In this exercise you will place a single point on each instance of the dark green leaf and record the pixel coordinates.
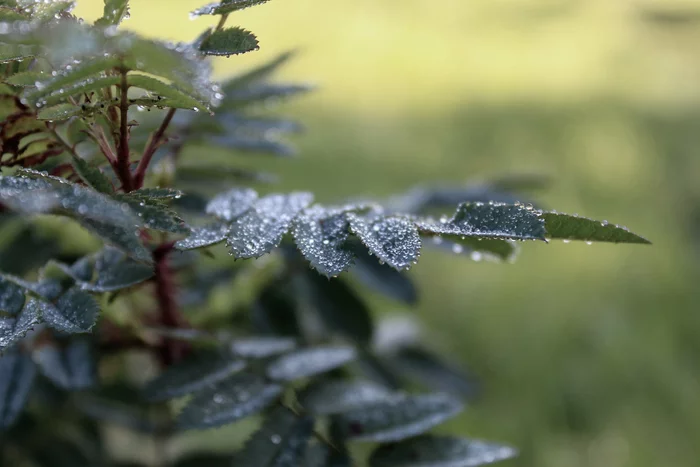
(492, 249)
(383, 278)
(126, 240)
(26, 78)
(75, 312)
(11, 297)
(262, 347)
(176, 97)
(69, 367)
(231, 41)
(435, 451)
(17, 372)
(109, 270)
(232, 204)
(202, 237)
(309, 362)
(280, 442)
(13, 328)
(274, 311)
(569, 227)
(399, 418)
(89, 85)
(339, 396)
(58, 112)
(261, 228)
(156, 216)
(226, 6)
(129, 415)
(92, 176)
(191, 375)
(227, 401)
(114, 12)
(155, 195)
(394, 240)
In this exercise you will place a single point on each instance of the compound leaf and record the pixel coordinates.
(338, 396)
(17, 373)
(74, 312)
(309, 362)
(570, 227)
(231, 41)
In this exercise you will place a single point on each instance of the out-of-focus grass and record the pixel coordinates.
(589, 354)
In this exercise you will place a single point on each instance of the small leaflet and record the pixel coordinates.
(231, 204)
(309, 362)
(204, 236)
(17, 373)
(338, 396)
(394, 240)
(75, 312)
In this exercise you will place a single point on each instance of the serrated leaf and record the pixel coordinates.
(394, 240)
(338, 396)
(114, 12)
(205, 236)
(70, 367)
(126, 240)
(155, 194)
(383, 278)
(261, 228)
(321, 235)
(309, 362)
(89, 85)
(227, 401)
(156, 216)
(430, 371)
(108, 270)
(226, 6)
(342, 310)
(231, 41)
(17, 372)
(25, 78)
(231, 204)
(14, 328)
(262, 346)
(439, 451)
(92, 176)
(74, 312)
(58, 112)
(570, 227)
(280, 442)
(399, 418)
(191, 375)
(177, 98)
(488, 220)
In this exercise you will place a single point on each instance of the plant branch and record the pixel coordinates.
(122, 165)
(154, 142)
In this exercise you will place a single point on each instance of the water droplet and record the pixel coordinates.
(276, 439)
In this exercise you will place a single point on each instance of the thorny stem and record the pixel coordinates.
(154, 143)
(122, 166)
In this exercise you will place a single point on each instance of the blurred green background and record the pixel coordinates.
(589, 355)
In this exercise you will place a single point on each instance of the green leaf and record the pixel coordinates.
(261, 228)
(231, 204)
(17, 373)
(155, 195)
(226, 6)
(383, 278)
(280, 442)
(399, 418)
(261, 346)
(477, 248)
(108, 270)
(430, 371)
(86, 86)
(26, 78)
(231, 41)
(569, 227)
(92, 176)
(191, 375)
(439, 451)
(254, 76)
(177, 98)
(309, 362)
(11, 297)
(16, 52)
(14, 328)
(75, 312)
(114, 12)
(394, 240)
(338, 396)
(201, 237)
(321, 235)
(126, 240)
(275, 310)
(227, 401)
(261, 94)
(342, 310)
(70, 367)
(156, 216)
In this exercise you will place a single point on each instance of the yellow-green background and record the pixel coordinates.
(589, 355)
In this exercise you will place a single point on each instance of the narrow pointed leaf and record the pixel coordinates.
(17, 372)
(262, 347)
(155, 194)
(261, 228)
(227, 401)
(58, 112)
(70, 367)
(438, 451)
(232, 204)
(321, 235)
(430, 371)
(263, 93)
(339, 396)
(226, 6)
(14, 328)
(92, 176)
(157, 216)
(26, 78)
(193, 374)
(383, 278)
(90, 85)
(394, 240)
(114, 12)
(280, 441)
(399, 418)
(254, 76)
(569, 227)
(231, 41)
(75, 312)
(201, 237)
(309, 362)
(177, 98)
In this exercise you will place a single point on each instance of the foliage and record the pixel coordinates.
(301, 350)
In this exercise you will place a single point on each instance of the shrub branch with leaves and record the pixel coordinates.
(299, 350)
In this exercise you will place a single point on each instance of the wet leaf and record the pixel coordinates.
(230, 205)
(227, 401)
(58, 112)
(70, 367)
(262, 346)
(114, 12)
(109, 270)
(231, 41)
(394, 240)
(14, 328)
(383, 278)
(92, 176)
(569, 227)
(261, 228)
(26, 78)
(226, 6)
(399, 418)
(177, 98)
(156, 216)
(90, 85)
(17, 373)
(338, 396)
(205, 236)
(439, 451)
(280, 442)
(126, 240)
(309, 362)
(74, 312)
(11, 297)
(191, 375)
